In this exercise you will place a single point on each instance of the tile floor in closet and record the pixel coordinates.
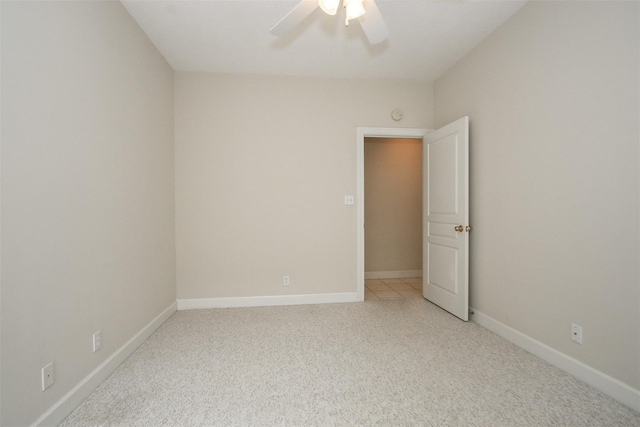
(383, 289)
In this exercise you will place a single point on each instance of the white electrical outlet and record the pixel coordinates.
(47, 376)
(97, 341)
(285, 280)
(576, 333)
(348, 200)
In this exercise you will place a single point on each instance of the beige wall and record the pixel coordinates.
(553, 100)
(87, 193)
(393, 204)
(263, 164)
(262, 168)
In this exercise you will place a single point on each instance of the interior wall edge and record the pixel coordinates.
(72, 399)
(266, 301)
(610, 386)
(403, 274)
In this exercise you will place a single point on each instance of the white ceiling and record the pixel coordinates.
(426, 37)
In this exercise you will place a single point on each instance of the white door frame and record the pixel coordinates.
(362, 133)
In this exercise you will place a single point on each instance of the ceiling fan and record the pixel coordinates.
(366, 11)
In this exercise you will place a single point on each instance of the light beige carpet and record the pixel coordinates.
(396, 363)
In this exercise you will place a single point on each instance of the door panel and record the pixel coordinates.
(442, 165)
(442, 274)
(446, 206)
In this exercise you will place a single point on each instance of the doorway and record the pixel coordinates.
(393, 218)
(445, 168)
(362, 133)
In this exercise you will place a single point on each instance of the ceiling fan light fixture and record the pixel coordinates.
(373, 25)
(330, 7)
(355, 9)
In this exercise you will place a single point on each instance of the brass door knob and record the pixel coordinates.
(468, 228)
(459, 228)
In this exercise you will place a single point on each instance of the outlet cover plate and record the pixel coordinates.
(97, 341)
(576, 333)
(47, 376)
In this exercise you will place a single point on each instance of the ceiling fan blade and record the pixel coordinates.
(372, 23)
(293, 18)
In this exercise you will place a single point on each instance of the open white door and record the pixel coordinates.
(445, 262)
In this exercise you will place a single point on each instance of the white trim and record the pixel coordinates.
(197, 303)
(361, 134)
(392, 274)
(610, 386)
(70, 401)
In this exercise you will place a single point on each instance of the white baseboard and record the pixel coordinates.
(190, 304)
(70, 401)
(402, 274)
(610, 386)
